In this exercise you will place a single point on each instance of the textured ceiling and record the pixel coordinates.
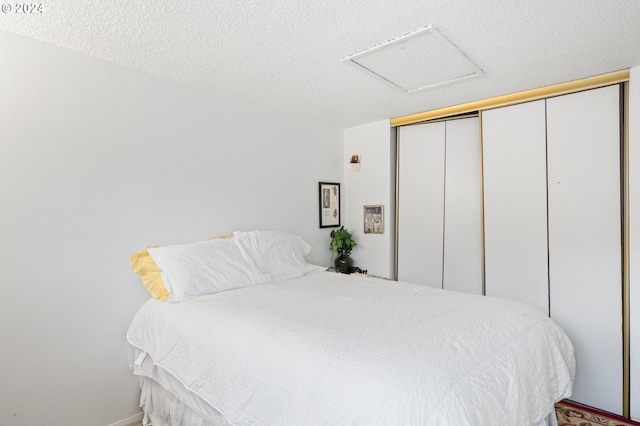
(286, 54)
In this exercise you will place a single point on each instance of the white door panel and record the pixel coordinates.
(515, 203)
(462, 207)
(585, 238)
(421, 203)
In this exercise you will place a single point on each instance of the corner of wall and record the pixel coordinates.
(373, 184)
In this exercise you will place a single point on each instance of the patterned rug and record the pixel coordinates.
(570, 414)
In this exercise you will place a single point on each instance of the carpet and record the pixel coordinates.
(570, 414)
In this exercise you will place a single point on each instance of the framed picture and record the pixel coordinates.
(374, 219)
(329, 205)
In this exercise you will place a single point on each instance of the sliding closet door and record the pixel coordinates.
(421, 203)
(462, 207)
(515, 203)
(585, 238)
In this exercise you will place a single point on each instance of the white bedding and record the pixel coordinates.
(330, 349)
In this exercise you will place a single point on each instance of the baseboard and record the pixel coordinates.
(129, 420)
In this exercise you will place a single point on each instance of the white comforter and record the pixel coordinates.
(330, 349)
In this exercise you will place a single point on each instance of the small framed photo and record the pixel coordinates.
(374, 219)
(354, 163)
(329, 204)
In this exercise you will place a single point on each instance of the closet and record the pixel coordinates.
(531, 211)
(439, 205)
(553, 225)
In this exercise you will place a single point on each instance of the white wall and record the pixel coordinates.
(634, 233)
(373, 185)
(98, 161)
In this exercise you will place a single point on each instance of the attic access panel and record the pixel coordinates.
(416, 61)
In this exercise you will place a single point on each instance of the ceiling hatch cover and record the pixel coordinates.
(419, 60)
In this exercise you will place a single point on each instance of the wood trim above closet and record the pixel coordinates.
(515, 98)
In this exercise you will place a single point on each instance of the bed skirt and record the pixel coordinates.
(162, 408)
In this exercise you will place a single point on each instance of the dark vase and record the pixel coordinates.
(344, 263)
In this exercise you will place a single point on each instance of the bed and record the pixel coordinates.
(322, 348)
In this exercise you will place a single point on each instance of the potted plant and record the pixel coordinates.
(342, 243)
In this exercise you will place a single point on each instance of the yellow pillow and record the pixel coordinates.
(142, 264)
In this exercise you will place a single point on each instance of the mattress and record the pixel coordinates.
(335, 349)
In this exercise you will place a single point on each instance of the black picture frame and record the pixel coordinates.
(329, 203)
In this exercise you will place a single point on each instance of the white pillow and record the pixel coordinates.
(278, 254)
(205, 267)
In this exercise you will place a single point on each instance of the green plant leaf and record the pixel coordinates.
(342, 241)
